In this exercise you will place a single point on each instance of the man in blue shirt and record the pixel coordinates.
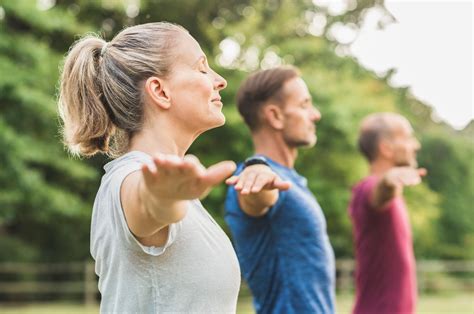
(278, 227)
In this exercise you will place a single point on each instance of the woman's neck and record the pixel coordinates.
(161, 138)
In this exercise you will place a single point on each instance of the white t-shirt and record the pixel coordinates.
(196, 271)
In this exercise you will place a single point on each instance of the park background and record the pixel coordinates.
(46, 195)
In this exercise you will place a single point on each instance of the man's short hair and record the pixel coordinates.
(374, 128)
(368, 144)
(261, 87)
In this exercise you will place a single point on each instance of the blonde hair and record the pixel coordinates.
(100, 97)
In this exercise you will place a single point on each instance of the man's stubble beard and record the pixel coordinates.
(300, 143)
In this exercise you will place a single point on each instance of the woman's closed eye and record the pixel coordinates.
(204, 69)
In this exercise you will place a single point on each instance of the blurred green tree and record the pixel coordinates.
(45, 195)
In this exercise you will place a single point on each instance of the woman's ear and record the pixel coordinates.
(273, 115)
(157, 92)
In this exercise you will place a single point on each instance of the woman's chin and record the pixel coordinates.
(217, 121)
(220, 120)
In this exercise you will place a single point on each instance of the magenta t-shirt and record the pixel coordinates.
(385, 264)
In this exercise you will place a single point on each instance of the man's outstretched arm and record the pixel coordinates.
(392, 182)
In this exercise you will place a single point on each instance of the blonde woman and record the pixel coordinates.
(143, 98)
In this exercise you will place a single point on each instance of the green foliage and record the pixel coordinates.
(46, 196)
(15, 250)
(451, 175)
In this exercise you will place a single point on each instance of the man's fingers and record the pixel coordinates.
(218, 172)
(409, 179)
(248, 183)
(281, 185)
(270, 183)
(407, 176)
(260, 182)
(413, 181)
(422, 172)
(415, 176)
(244, 179)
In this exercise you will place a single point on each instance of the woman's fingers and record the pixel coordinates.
(172, 165)
(194, 179)
(218, 172)
(192, 166)
(184, 178)
(147, 173)
(164, 163)
(232, 180)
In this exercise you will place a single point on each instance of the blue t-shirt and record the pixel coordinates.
(285, 255)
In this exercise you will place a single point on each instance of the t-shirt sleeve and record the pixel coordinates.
(365, 191)
(120, 225)
(231, 204)
(278, 205)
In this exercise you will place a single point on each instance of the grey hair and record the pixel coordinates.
(100, 97)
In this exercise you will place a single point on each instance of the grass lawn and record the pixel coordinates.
(445, 303)
(427, 304)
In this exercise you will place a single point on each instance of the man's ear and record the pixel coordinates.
(157, 91)
(385, 149)
(273, 115)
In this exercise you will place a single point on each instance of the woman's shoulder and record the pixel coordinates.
(129, 159)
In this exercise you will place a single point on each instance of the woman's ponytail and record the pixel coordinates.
(87, 124)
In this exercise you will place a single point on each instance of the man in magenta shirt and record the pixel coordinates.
(386, 271)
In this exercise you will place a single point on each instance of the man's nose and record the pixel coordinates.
(417, 144)
(315, 114)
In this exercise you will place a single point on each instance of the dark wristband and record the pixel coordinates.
(256, 160)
